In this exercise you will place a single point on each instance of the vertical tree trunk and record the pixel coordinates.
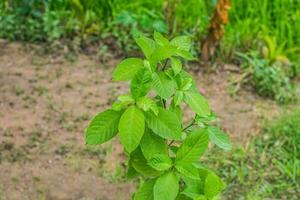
(215, 30)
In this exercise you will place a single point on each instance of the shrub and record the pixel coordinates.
(148, 122)
(268, 79)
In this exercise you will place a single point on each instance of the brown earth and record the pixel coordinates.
(45, 104)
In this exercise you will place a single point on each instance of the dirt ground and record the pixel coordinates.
(45, 104)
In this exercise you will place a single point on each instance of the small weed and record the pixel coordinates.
(18, 90)
(11, 153)
(41, 90)
(116, 176)
(75, 162)
(63, 150)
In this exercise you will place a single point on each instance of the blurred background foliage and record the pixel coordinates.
(269, 29)
(250, 21)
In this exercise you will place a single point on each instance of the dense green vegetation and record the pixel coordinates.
(269, 167)
(41, 20)
(269, 27)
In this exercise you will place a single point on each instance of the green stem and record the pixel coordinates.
(184, 129)
(190, 125)
(165, 65)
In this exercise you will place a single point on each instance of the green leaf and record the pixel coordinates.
(146, 104)
(182, 197)
(131, 172)
(141, 83)
(152, 144)
(197, 103)
(186, 84)
(147, 45)
(166, 187)
(219, 138)
(163, 85)
(176, 65)
(183, 77)
(188, 170)
(145, 192)
(160, 39)
(182, 42)
(131, 128)
(202, 197)
(192, 148)
(127, 68)
(162, 52)
(160, 162)
(126, 97)
(213, 185)
(185, 54)
(139, 163)
(102, 127)
(122, 102)
(177, 110)
(166, 124)
(195, 196)
(194, 187)
(178, 98)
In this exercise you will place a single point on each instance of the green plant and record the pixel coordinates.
(275, 150)
(149, 124)
(268, 79)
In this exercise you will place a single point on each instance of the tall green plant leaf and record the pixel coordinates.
(131, 128)
(182, 42)
(188, 170)
(197, 103)
(103, 127)
(160, 39)
(219, 138)
(152, 144)
(163, 85)
(163, 52)
(176, 65)
(213, 185)
(139, 163)
(166, 187)
(166, 124)
(192, 148)
(147, 45)
(160, 162)
(141, 83)
(145, 192)
(127, 69)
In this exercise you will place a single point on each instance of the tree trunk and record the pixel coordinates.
(215, 30)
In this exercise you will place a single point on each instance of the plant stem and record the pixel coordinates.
(165, 65)
(188, 126)
(184, 129)
(171, 142)
(164, 103)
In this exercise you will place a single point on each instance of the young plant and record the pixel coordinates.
(148, 122)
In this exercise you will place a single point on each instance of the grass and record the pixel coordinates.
(269, 167)
(90, 20)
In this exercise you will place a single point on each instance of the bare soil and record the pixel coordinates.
(47, 101)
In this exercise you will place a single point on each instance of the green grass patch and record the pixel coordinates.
(269, 167)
